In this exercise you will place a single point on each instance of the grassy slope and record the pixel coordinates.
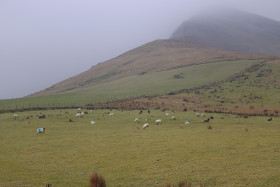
(154, 83)
(159, 55)
(254, 91)
(236, 152)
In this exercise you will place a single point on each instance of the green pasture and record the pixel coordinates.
(259, 88)
(235, 152)
(149, 84)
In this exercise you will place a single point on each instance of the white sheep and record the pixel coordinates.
(15, 116)
(41, 130)
(111, 114)
(146, 125)
(173, 118)
(158, 121)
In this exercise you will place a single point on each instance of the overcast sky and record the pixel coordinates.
(43, 42)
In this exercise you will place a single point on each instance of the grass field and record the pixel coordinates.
(155, 83)
(235, 152)
(252, 92)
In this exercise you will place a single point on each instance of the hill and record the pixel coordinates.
(181, 73)
(156, 56)
(252, 91)
(233, 30)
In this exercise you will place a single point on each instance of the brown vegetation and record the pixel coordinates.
(97, 180)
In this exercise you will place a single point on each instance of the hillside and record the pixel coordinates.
(154, 87)
(156, 56)
(233, 30)
(253, 91)
(187, 71)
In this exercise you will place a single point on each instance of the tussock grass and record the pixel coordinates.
(126, 155)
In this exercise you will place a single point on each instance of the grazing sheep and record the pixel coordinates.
(187, 122)
(211, 117)
(158, 121)
(78, 115)
(15, 116)
(270, 119)
(42, 116)
(149, 111)
(41, 130)
(167, 114)
(207, 120)
(146, 125)
(197, 115)
(173, 118)
(203, 115)
(140, 112)
(97, 180)
(111, 114)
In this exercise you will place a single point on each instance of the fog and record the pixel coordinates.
(44, 42)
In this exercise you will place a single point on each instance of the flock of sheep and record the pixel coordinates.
(146, 125)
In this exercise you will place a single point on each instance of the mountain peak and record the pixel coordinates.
(234, 30)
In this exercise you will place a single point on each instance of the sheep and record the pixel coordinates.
(173, 118)
(203, 115)
(78, 115)
(187, 122)
(140, 112)
(207, 120)
(270, 119)
(167, 114)
(41, 130)
(146, 125)
(158, 121)
(197, 115)
(15, 116)
(111, 114)
(211, 117)
(42, 116)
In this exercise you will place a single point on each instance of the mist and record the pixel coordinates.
(45, 42)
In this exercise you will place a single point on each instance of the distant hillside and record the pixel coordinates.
(252, 91)
(195, 70)
(156, 56)
(233, 30)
